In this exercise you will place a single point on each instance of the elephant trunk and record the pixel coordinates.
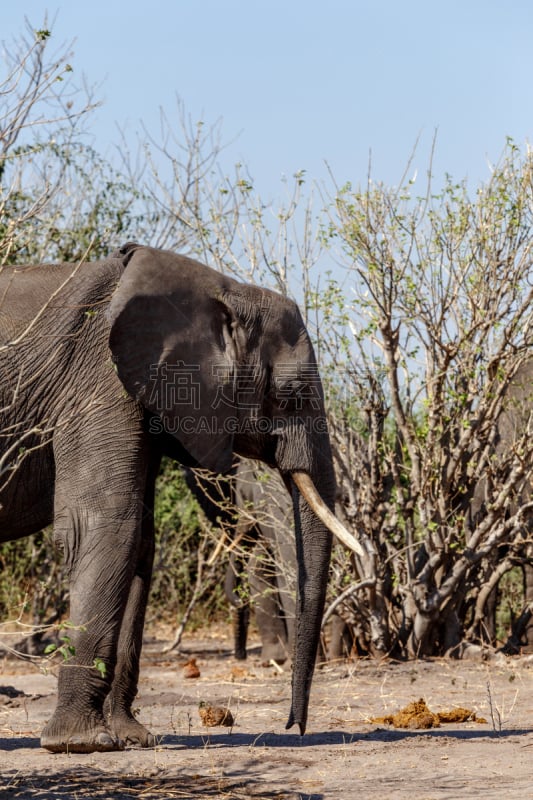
(299, 453)
(303, 457)
(313, 551)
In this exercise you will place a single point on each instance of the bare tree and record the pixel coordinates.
(216, 212)
(437, 321)
(42, 113)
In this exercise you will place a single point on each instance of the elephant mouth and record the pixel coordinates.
(309, 492)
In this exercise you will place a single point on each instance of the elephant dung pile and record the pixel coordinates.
(417, 715)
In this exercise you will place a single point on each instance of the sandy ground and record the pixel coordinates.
(343, 754)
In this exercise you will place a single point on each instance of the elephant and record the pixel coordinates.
(254, 510)
(108, 366)
(271, 566)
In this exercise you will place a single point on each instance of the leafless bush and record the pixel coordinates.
(433, 321)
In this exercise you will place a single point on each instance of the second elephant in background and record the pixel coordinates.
(253, 506)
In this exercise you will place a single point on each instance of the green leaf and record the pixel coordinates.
(100, 665)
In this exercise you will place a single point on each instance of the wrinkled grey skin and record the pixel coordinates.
(254, 510)
(271, 568)
(91, 359)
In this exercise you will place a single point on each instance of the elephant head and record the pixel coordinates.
(228, 368)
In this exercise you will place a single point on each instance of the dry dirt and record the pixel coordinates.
(343, 754)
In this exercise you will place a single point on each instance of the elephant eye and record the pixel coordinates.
(289, 391)
(292, 388)
(296, 393)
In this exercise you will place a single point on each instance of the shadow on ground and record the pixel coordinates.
(330, 738)
(91, 783)
(290, 740)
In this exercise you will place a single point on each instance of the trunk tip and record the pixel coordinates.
(292, 721)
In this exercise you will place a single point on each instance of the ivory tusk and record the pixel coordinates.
(308, 490)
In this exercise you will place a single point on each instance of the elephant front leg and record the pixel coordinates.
(118, 705)
(101, 560)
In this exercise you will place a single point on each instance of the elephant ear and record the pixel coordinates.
(175, 345)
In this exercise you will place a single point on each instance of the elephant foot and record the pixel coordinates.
(128, 730)
(64, 735)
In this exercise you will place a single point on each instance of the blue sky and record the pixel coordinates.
(301, 82)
